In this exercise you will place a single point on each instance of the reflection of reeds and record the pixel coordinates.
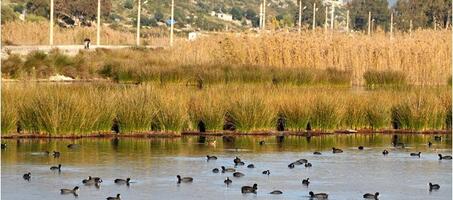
(85, 109)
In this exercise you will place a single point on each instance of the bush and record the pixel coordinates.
(8, 14)
(388, 77)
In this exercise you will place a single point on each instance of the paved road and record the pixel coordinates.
(66, 49)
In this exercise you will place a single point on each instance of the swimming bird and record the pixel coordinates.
(335, 150)
(228, 181)
(237, 160)
(56, 167)
(316, 153)
(27, 176)
(56, 154)
(416, 154)
(433, 186)
(239, 163)
(211, 157)
(444, 157)
(70, 191)
(291, 165)
(306, 181)
(249, 189)
(437, 138)
(185, 179)
(118, 197)
(238, 174)
(92, 180)
(215, 170)
(72, 146)
(308, 165)
(360, 147)
(3, 146)
(385, 152)
(267, 172)
(371, 196)
(227, 169)
(251, 166)
(262, 142)
(122, 181)
(300, 161)
(318, 195)
(276, 192)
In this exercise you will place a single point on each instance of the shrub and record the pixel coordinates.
(388, 77)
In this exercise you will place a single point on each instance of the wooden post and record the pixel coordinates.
(51, 23)
(98, 26)
(261, 16)
(172, 21)
(327, 17)
(410, 27)
(264, 14)
(391, 26)
(332, 17)
(347, 21)
(139, 8)
(369, 23)
(314, 16)
(300, 15)
(435, 23)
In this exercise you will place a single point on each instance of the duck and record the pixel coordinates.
(317, 153)
(70, 191)
(237, 160)
(251, 166)
(122, 181)
(385, 152)
(301, 161)
(238, 174)
(371, 196)
(27, 176)
(211, 157)
(56, 167)
(228, 181)
(185, 179)
(318, 195)
(88, 181)
(276, 192)
(239, 163)
(444, 157)
(360, 147)
(97, 179)
(433, 186)
(262, 142)
(335, 150)
(3, 146)
(227, 169)
(118, 197)
(72, 146)
(308, 165)
(56, 154)
(437, 138)
(416, 154)
(267, 172)
(291, 165)
(306, 181)
(249, 189)
(215, 170)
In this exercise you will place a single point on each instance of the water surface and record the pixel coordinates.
(153, 165)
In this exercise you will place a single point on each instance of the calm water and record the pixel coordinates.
(153, 164)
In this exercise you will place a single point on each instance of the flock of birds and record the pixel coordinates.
(96, 181)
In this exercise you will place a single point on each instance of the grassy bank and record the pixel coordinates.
(86, 109)
(308, 58)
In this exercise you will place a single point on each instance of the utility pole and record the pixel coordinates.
(261, 16)
(139, 8)
(172, 21)
(98, 27)
(369, 23)
(264, 14)
(391, 26)
(300, 14)
(332, 18)
(327, 17)
(314, 16)
(51, 24)
(347, 21)
(410, 27)
(435, 23)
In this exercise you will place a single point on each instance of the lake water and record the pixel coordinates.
(153, 164)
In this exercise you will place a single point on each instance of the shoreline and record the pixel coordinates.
(153, 134)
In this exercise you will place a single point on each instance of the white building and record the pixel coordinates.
(225, 17)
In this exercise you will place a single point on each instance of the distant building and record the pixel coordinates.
(225, 17)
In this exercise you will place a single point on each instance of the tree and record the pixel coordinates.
(38, 7)
(128, 4)
(250, 14)
(359, 13)
(307, 13)
(237, 13)
(86, 9)
(158, 16)
(422, 13)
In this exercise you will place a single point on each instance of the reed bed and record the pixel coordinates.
(82, 109)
